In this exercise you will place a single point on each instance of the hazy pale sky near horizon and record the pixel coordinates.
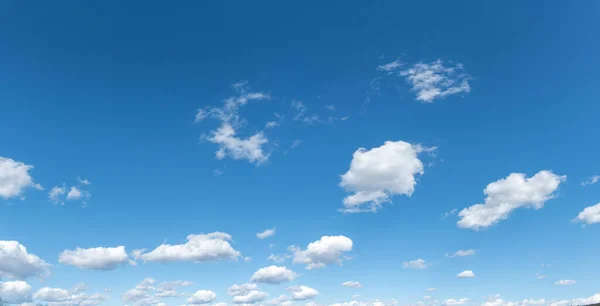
(299, 153)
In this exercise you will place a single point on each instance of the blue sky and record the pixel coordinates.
(125, 127)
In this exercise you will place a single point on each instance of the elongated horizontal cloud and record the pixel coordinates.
(325, 251)
(15, 178)
(99, 258)
(454, 302)
(16, 262)
(198, 248)
(466, 274)
(48, 294)
(462, 253)
(266, 233)
(352, 284)
(510, 193)
(589, 215)
(273, 275)
(415, 264)
(565, 282)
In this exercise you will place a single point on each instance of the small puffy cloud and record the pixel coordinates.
(15, 178)
(250, 297)
(16, 262)
(281, 300)
(169, 289)
(462, 253)
(250, 148)
(300, 293)
(83, 181)
(431, 289)
(266, 233)
(589, 215)
(273, 275)
(77, 194)
(466, 274)
(565, 282)
(453, 302)
(56, 193)
(510, 193)
(247, 259)
(296, 143)
(434, 81)
(352, 284)
(198, 248)
(301, 115)
(378, 174)
(415, 264)
(52, 294)
(202, 297)
(16, 292)
(540, 276)
(325, 251)
(99, 258)
(592, 180)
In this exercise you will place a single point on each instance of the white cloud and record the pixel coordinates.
(540, 276)
(415, 264)
(301, 115)
(250, 297)
(15, 292)
(273, 275)
(241, 289)
(271, 124)
(390, 67)
(300, 293)
(592, 180)
(77, 194)
(434, 81)
(199, 248)
(52, 294)
(15, 178)
(378, 174)
(466, 274)
(449, 213)
(431, 289)
(565, 282)
(281, 300)
(462, 253)
(99, 258)
(250, 148)
(169, 289)
(589, 215)
(594, 299)
(238, 148)
(453, 302)
(352, 284)
(278, 258)
(202, 297)
(266, 233)
(296, 143)
(16, 262)
(247, 259)
(56, 193)
(142, 293)
(330, 107)
(508, 194)
(83, 181)
(325, 251)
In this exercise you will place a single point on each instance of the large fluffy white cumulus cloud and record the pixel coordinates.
(99, 258)
(273, 275)
(16, 262)
(16, 292)
(377, 174)
(198, 248)
(510, 193)
(15, 178)
(325, 251)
